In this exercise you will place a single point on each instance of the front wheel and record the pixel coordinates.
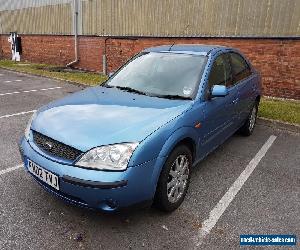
(248, 127)
(174, 179)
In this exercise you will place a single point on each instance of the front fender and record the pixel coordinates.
(177, 136)
(160, 143)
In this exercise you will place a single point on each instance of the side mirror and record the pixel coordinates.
(219, 91)
(111, 74)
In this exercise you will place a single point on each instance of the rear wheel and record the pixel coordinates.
(174, 179)
(248, 127)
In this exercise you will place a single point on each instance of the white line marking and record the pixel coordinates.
(27, 91)
(228, 197)
(1, 74)
(21, 113)
(7, 81)
(18, 80)
(5, 171)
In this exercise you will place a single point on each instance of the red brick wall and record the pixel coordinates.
(278, 60)
(58, 50)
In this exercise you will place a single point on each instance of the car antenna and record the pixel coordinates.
(171, 46)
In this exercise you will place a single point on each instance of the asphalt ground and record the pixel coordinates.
(267, 202)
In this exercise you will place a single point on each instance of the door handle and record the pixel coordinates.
(235, 101)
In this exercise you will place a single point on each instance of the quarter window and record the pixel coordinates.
(240, 68)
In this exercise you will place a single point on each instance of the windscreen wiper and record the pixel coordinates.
(105, 85)
(174, 97)
(129, 89)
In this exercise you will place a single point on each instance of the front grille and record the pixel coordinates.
(54, 147)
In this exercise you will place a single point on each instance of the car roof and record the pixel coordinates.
(195, 49)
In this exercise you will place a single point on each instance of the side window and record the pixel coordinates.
(220, 73)
(240, 68)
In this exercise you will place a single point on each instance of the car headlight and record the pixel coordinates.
(27, 130)
(111, 157)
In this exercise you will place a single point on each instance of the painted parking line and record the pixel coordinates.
(16, 114)
(7, 81)
(28, 91)
(7, 170)
(18, 80)
(228, 197)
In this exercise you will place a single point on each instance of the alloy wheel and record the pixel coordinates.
(253, 118)
(178, 178)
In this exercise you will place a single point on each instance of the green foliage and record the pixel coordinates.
(54, 72)
(282, 110)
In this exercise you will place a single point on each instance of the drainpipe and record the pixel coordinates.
(75, 9)
(104, 64)
(104, 58)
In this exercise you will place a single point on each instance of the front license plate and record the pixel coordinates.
(43, 174)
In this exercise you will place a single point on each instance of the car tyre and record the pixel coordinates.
(248, 127)
(174, 179)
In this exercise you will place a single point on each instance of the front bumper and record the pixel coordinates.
(104, 190)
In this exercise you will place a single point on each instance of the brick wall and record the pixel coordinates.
(278, 60)
(58, 50)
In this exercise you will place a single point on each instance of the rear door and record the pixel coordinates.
(244, 80)
(220, 112)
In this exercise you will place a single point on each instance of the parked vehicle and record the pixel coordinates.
(135, 139)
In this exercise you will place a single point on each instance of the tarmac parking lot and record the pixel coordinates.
(249, 185)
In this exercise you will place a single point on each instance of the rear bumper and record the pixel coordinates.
(104, 190)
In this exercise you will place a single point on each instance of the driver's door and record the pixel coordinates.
(220, 112)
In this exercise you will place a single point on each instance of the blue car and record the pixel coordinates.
(135, 139)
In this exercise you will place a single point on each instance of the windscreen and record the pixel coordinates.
(161, 74)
